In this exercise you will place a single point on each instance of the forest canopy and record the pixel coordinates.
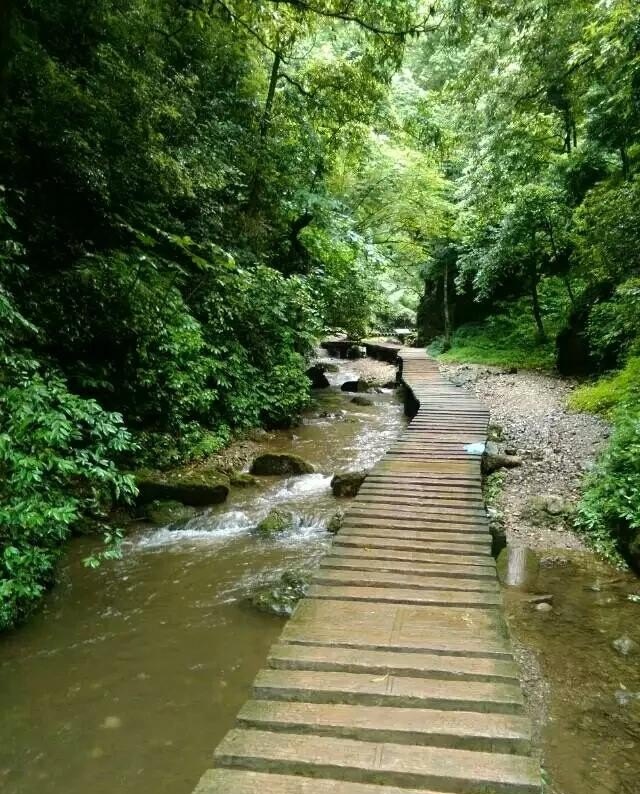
(192, 192)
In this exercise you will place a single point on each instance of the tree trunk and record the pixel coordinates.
(6, 17)
(625, 162)
(268, 105)
(535, 304)
(447, 316)
(265, 121)
(567, 283)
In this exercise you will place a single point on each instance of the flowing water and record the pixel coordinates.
(585, 679)
(131, 674)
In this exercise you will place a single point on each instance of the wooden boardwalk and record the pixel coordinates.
(395, 674)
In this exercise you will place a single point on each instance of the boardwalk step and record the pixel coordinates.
(410, 523)
(472, 561)
(388, 690)
(381, 763)
(418, 665)
(233, 781)
(354, 578)
(501, 733)
(357, 527)
(346, 539)
(406, 595)
(366, 562)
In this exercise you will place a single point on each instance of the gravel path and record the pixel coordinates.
(557, 448)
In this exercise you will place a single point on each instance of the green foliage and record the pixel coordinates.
(610, 392)
(57, 458)
(609, 513)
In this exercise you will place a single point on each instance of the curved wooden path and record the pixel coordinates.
(395, 674)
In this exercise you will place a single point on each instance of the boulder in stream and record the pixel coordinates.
(347, 483)
(335, 522)
(360, 399)
(625, 645)
(275, 521)
(317, 377)
(359, 385)
(281, 597)
(273, 463)
(197, 489)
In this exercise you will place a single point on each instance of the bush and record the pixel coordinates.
(609, 513)
(58, 473)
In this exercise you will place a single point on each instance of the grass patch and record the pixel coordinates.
(608, 393)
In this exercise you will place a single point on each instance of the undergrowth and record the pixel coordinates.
(508, 338)
(609, 512)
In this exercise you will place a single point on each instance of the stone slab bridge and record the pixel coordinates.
(395, 675)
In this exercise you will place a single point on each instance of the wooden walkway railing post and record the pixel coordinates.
(395, 675)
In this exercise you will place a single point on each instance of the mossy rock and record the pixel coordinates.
(280, 464)
(168, 511)
(275, 522)
(242, 480)
(195, 489)
(336, 521)
(281, 597)
(347, 483)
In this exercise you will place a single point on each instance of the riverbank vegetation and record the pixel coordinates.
(192, 192)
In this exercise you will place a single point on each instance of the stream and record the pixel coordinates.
(131, 674)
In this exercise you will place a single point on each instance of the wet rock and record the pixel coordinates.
(625, 698)
(281, 597)
(360, 399)
(347, 483)
(194, 489)
(547, 598)
(257, 434)
(498, 530)
(625, 645)
(280, 464)
(329, 367)
(357, 351)
(242, 480)
(359, 385)
(317, 377)
(390, 384)
(335, 522)
(276, 521)
(168, 512)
